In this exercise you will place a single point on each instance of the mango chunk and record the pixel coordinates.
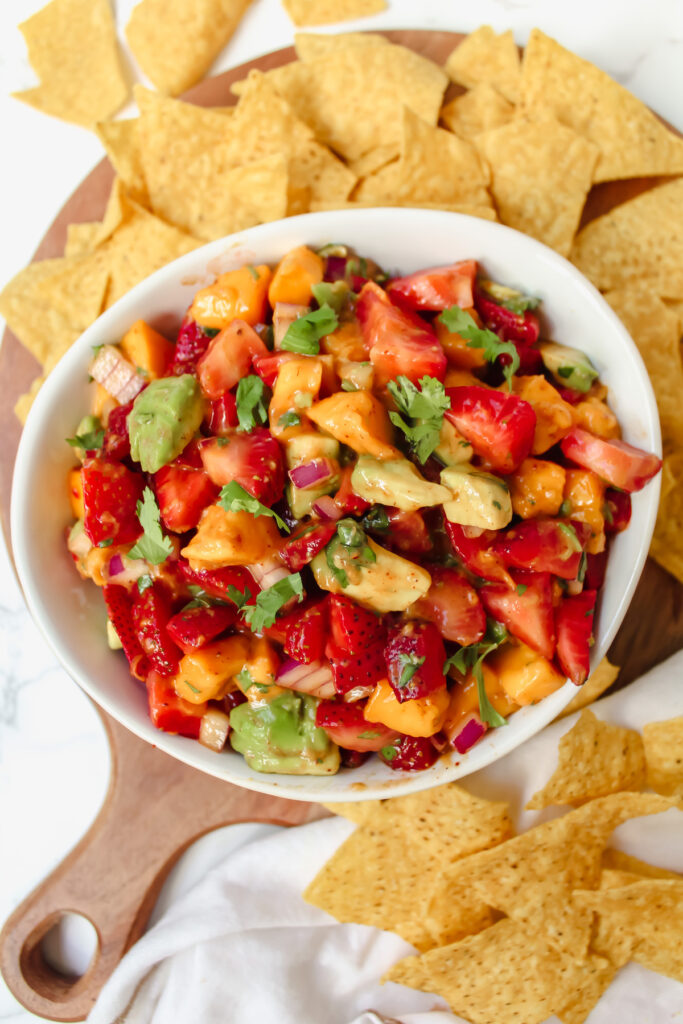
(75, 485)
(206, 673)
(536, 488)
(524, 674)
(238, 295)
(554, 416)
(296, 387)
(422, 716)
(294, 277)
(585, 492)
(464, 700)
(147, 349)
(231, 538)
(358, 419)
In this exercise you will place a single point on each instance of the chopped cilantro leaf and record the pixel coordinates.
(458, 321)
(105, 543)
(565, 508)
(153, 546)
(90, 442)
(144, 582)
(234, 498)
(425, 407)
(376, 518)
(570, 533)
(348, 385)
(261, 615)
(289, 419)
(211, 332)
(200, 599)
(388, 753)
(583, 565)
(304, 334)
(244, 679)
(253, 271)
(369, 735)
(409, 663)
(251, 407)
(189, 685)
(607, 513)
(332, 295)
(521, 588)
(348, 549)
(471, 658)
(236, 595)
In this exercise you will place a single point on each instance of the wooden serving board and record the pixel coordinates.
(114, 874)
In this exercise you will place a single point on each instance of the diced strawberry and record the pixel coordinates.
(110, 496)
(363, 669)
(345, 725)
(116, 439)
(415, 657)
(408, 532)
(268, 366)
(617, 511)
(453, 605)
(571, 396)
(574, 623)
(620, 464)
(193, 627)
(348, 502)
(499, 426)
(191, 345)
(228, 358)
(304, 545)
(436, 288)
(352, 758)
(526, 610)
(254, 460)
(222, 416)
(544, 545)
(152, 612)
(596, 566)
(530, 360)
(305, 633)
(353, 628)
(190, 456)
(119, 604)
(183, 493)
(215, 582)
(398, 343)
(474, 549)
(169, 712)
(519, 327)
(410, 754)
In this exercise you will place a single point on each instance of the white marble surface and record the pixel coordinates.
(53, 756)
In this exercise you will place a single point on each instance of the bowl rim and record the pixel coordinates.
(305, 225)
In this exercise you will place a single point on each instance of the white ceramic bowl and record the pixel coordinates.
(70, 612)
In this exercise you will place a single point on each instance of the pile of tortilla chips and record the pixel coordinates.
(516, 928)
(359, 121)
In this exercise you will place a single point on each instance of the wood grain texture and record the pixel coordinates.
(114, 874)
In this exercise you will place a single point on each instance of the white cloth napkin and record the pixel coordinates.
(242, 946)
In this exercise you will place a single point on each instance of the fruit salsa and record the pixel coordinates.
(346, 514)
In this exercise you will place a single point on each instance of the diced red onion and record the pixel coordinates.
(335, 268)
(214, 729)
(115, 565)
(311, 474)
(315, 679)
(269, 571)
(116, 375)
(326, 508)
(469, 733)
(439, 741)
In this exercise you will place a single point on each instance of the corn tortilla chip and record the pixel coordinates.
(451, 911)
(656, 331)
(664, 756)
(81, 238)
(485, 212)
(595, 759)
(311, 45)
(327, 12)
(477, 111)
(73, 49)
(600, 679)
(617, 861)
(484, 57)
(175, 42)
(121, 140)
(667, 542)
(543, 195)
(504, 975)
(639, 242)
(596, 977)
(24, 402)
(632, 141)
(373, 160)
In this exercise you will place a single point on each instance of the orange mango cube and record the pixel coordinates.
(238, 295)
(422, 716)
(205, 674)
(524, 674)
(554, 416)
(585, 492)
(358, 419)
(294, 277)
(537, 488)
(146, 349)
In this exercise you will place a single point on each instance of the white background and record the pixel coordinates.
(53, 756)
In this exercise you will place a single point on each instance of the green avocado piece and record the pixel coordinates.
(164, 419)
(281, 736)
(570, 367)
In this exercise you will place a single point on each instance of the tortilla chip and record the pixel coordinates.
(542, 195)
(121, 140)
(327, 12)
(479, 110)
(667, 542)
(639, 242)
(596, 977)
(352, 97)
(175, 42)
(664, 756)
(600, 679)
(632, 141)
(485, 212)
(503, 975)
(311, 45)
(373, 160)
(616, 861)
(595, 759)
(486, 58)
(23, 404)
(451, 911)
(81, 238)
(73, 49)
(656, 331)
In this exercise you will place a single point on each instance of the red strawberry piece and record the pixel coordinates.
(518, 327)
(415, 657)
(475, 551)
(119, 604)
(364, 669)
(596, 566)
(191, 345)
(228, 358)
(253, 460)
(499, 426)
(193, 627)
(526, 609)
(530, 360)
(345, 725)
(222, 416)
(617, 511)
(215, 582)
(169, 712)
(574, 623)
(116, 439)
(544, 545)
(304, 545)
(408, 532)
(571, 396)
(436, 288)
(353, 628)
(183, 493)
(268, 366)
(152, 611)
(410, 754)
(346, 499)
(620, 464)
(352, 758)
(399, 343)
(110, 496)
(305, 633)
(453, 605)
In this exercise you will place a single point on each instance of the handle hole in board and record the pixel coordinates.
(58, 953)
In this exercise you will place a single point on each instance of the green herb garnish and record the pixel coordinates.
(89, 442)
(304, 334)
(458, 321)
(409, 663)
(236, 595)
(154, 546)
(289, 419)
(471, 658)
(251, 407)
(425, 407)
(234, 498)
(261, 615)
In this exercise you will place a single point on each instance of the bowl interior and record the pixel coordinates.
(71, 611)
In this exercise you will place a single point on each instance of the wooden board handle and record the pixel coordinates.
(154, 809)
